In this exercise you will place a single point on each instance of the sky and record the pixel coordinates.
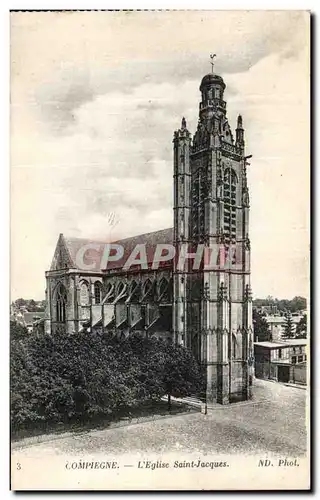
(95, 98)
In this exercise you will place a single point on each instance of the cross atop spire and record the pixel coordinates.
(212, 56)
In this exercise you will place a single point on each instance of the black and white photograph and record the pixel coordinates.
(160, 241)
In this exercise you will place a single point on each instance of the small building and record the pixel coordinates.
(284, 361)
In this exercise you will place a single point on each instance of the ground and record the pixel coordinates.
(273, 423)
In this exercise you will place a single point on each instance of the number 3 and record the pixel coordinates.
(18, 466)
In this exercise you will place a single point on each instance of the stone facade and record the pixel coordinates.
(108, 299)
(209, 310)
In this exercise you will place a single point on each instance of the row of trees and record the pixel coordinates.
(283, 305)
(261, 328)
(75, 378)
(30, 304)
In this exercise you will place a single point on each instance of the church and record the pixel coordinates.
(207, 309)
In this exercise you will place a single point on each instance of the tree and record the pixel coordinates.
(181, 374)
(42, 305)
(30, 304)
(298, 304)
(269, 300)
(283, 305)
(288, 331)
(260, 327)
(20, 303)
(301, 331)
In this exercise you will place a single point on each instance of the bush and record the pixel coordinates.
(76, 378)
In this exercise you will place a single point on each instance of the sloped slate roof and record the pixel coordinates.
(150, 240)
(93, 256)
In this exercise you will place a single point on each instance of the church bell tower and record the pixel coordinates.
(212, 312)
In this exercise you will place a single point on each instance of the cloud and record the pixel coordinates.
(92, 64)
(274, 99)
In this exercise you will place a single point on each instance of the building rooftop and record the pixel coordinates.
(30, 317)
(211, 78)
(269, 345)
(282, 343)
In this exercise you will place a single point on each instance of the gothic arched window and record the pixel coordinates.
(97, 292)
(198, 196)
(147, 286)
(133, 285)
(148, 293)
(121, 292)
(121, 286)
(61, 302)
(230, 210)
(163, 289)
(84, 294)
(109, 292)
(133, 291)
